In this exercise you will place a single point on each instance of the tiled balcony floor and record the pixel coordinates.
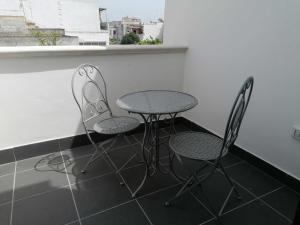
(50, 190)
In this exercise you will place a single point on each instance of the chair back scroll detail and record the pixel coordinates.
(90, 93)
(237, 114)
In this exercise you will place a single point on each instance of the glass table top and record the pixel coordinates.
(157, 102)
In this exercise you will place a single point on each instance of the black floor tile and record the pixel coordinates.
(127, 214)
(6, 187)
(162, 133)
(56, 207)
(99, 194)
(52, 160)
(184, 170)
(40, 180)
(78, 152)
(133, 177)
(215, 190)
(6, 156)
(186, 211)
(5, 214)
(7, 168)
(230, 159)
(43, 197)
(73, 142)
(256, 213)
(75, 223)
(29, 151)
(164, 147)
(123, 141)
(97, 168)
(122, 155)
(178, 128)
(284, 200)
(253, 179)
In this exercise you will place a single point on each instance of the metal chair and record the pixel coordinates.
(209, 148)
(90, 94)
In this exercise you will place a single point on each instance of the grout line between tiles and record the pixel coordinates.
(41, 193)
(234, 164)
(157, 191)
(13, 190)
(123, 146)
(275, 210)
(61, 187)
(4, 164)
(207, 221)
(108, 209)
(251, 193)
(76, 158)
(145, 214)
(5, 175)
(198, 200)
(72, 222)
(162, 189)
(92, 178)
(120, 175)
(262, 171)
(58, 188)
(139, 164)
(260, 198)
(5, 203)
(240, 206)
(270, 192)
(132, 200)
(69, 184)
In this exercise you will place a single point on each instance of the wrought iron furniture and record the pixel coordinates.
(90, 93)
(151, 105)
(209, 148)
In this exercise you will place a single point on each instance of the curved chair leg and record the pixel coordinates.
(97, 154)
(190, 183)
(100, 153)
(230, 182)
(109, 160)
(182, 190)
(92, 159)
(142, 183)
(147, 162)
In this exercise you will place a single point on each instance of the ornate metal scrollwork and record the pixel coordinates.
(237, 113)
(92, 98)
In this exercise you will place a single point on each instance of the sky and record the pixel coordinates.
(147, 10)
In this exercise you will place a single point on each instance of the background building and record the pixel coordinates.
(151, 30)
(73, 18)
(117, 29)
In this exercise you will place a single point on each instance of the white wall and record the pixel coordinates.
(35, 92)
(77, 17)
(230, 40)
(153, 30)
(80, 16)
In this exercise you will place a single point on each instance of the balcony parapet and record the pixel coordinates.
(39, 51)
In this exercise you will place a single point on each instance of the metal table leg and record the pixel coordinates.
(151, 156)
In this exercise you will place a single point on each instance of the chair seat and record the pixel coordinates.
(197, 145)
(116, 125)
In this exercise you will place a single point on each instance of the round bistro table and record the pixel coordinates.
(151, 105)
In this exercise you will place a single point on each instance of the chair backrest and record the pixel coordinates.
(236, 114)
(89, 92)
